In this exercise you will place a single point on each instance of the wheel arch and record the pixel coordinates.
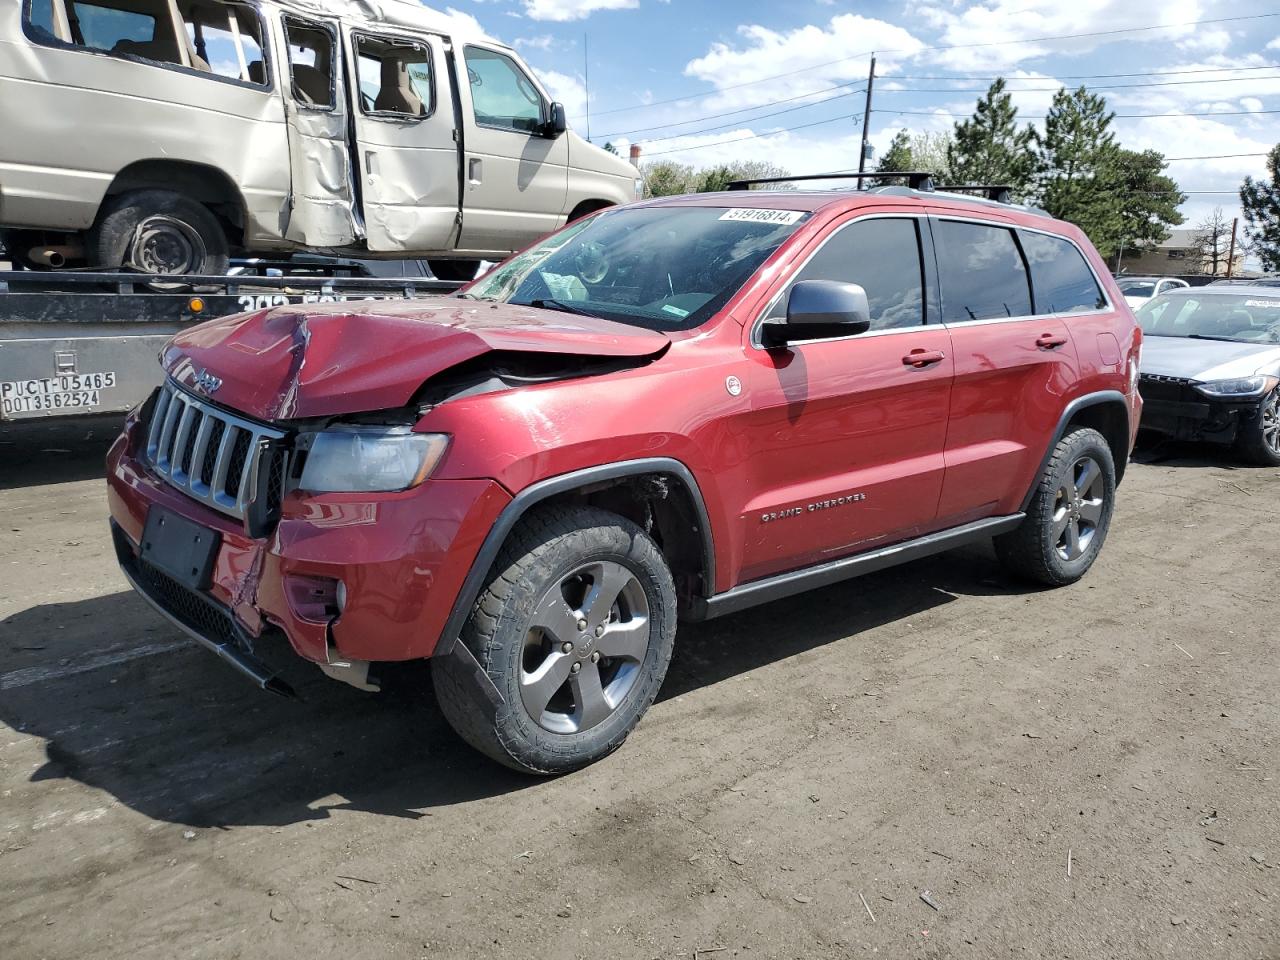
(1105, 411)
(205, 184)
(588, 207)
(660, 494)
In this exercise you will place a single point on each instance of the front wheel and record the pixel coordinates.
(575, 628)
(1069, 515)
(160, 232)
(1259, 440)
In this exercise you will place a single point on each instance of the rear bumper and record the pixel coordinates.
(401, 559)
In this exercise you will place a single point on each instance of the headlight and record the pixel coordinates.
(369, 459)
(1239, 389)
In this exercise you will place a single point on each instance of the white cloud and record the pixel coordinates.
(569, 90)
(542, 42)
(1210, 39)
(976, 27)
(839, 51)
(459, 21)
(562, 11)
(1252, 104)
(1274, 44)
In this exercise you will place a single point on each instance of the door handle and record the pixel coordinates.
(923, 358)
(1050, 341)
(475, 170)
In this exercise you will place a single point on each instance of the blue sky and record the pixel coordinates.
(654, 63)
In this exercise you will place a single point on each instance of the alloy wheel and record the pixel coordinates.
(1271, 422)
(584, 648)
(1078, 508)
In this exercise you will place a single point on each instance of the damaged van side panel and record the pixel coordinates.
(183, 117)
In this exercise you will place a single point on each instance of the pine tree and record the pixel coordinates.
(898, 156)
(1261, 202)
(1145, 200)
(1075, 149)
(989, 147)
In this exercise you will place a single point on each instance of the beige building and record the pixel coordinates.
(1177, 256)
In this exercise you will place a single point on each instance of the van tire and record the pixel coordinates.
(454, 271)
(537, 570)
(184, 236)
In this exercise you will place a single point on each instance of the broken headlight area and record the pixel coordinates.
(1240, 388)
(355, 458)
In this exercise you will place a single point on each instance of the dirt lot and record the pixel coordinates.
(1089, 772)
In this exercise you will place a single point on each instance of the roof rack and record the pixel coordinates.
(916, 180)
(999, 192)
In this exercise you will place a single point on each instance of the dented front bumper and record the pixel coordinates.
(399, 558)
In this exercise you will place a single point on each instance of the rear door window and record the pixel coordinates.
(395, 78)
(502, 95)
(1060, 278)
(981, 271)
(225, 39)
(883, 257)
(310, 63)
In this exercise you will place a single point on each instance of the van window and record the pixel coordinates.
(395, 77)
(124, 26)
(40, 15)
(502, 95)
(1061, 280)
(225, 39)
(883, 257)
(982, 273)
(310, 63)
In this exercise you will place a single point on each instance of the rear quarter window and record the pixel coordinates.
(1060, 278)
(981, 271)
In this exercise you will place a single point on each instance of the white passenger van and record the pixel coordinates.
(167, 134)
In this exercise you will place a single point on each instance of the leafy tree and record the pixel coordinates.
(990, 147)
(1211, 242)
(898, 156)
(718, 178)
(929, 153)
(665, 178)
(1146, 202)
(1075, 149)
(1261, 202)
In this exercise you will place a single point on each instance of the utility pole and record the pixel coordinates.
(1231, 252)
(866, 122)
(586, 81)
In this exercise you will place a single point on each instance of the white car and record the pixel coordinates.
(1138, 290)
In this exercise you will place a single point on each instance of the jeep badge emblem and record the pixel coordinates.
(733, 385)
(206, 382)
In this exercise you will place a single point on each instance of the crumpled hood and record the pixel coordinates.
(317, 360)
(1206, 360)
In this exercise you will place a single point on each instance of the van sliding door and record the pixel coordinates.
(321, 211)
(403, 108)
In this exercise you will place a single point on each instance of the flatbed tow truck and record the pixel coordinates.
(80, 344)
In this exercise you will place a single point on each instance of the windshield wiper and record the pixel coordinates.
(1205, 336)
(560, 305)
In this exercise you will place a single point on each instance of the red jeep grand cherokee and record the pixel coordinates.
(676, 409)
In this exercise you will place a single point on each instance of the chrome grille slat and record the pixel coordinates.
(179, 436)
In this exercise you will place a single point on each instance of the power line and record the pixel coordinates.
(1215, 156)
(754, 136)
(727, 113)
(1062, 86)
(726, 126)
(936, 47)
(1118, 116)
(1091, 76)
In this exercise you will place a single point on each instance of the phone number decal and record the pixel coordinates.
(65, 392)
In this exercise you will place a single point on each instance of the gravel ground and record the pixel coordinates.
(929, 762)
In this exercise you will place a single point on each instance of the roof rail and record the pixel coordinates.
(916, 180)
(999, 192)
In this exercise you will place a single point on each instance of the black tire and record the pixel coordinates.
(182, 236)
(454, 270)
(1259, 439)
(538, 560)
(1041, 549)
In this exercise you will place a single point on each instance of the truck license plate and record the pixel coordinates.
(67, 391)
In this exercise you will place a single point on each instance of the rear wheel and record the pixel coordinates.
(454, 270)
(575, 628)
(160, 232)
(1259, 440)
(1069, 515)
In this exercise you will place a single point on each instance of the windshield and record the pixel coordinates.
(1245, 317)
(664, 268)
(1136, 288)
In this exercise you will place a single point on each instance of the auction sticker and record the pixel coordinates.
(753, 215)
(65, 392)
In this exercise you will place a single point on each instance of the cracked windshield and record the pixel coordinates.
(661, 268)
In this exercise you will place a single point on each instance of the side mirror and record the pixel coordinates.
(818, 309)
(556, 122)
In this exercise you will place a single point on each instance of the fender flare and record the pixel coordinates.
(1072, 408)
(536, 493)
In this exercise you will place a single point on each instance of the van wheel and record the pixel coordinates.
(161, 232)
(1069, 515)
(454, 270)
(575, 628)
